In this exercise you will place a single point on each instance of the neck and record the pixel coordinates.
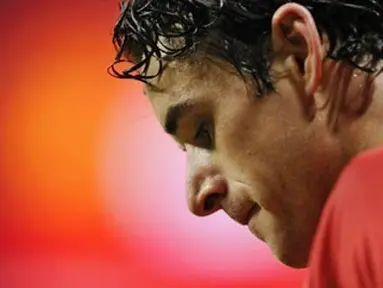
(355, 106)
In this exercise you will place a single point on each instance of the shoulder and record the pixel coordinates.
(348, 246)
(360, 186)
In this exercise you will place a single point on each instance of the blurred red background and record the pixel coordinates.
(92, 191)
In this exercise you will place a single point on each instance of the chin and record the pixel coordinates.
(295, 262)
(294, 256)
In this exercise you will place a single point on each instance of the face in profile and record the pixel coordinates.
(258, 159)
(269, 162)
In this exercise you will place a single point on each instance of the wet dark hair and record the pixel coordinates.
(238, 31)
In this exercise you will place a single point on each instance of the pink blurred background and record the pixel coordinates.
(91, 188)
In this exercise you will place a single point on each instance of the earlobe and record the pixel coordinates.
(295, 36)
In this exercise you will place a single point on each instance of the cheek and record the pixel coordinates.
(235, 146)
(251, 139)
(265, 147)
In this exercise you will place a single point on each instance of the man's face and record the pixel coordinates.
(259, 159)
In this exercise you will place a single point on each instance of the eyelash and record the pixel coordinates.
(182, 147)
(203, 136)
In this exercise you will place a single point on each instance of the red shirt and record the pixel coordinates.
(347, 250)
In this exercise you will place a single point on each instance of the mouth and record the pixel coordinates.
(253, 211)
(245, 215)
(252, 227)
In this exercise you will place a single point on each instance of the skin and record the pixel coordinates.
(271, 162)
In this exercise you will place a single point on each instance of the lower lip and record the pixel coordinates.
(252, 224)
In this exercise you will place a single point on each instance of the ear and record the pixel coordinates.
(297, 43)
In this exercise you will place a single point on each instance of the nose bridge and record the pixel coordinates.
(205, 186)
(197, 160)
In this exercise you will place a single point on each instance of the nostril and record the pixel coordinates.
(210, 202)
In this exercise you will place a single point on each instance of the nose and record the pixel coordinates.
(206, 193)
(206, 187)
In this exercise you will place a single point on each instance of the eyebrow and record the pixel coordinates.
(174, 114)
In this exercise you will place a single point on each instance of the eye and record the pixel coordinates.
(203, 137)
(182, 147)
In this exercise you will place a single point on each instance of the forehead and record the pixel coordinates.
(200, 80)
(195, 80)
